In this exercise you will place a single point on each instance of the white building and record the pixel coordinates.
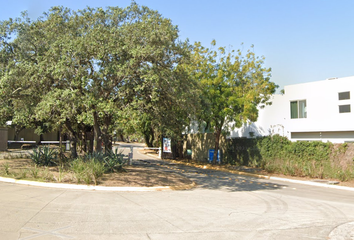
(309, 111)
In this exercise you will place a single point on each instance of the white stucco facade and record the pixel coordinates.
(321, 110)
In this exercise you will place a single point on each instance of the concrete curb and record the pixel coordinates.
(312, 183)
(85, 187)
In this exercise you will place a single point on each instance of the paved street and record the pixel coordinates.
(222, 206)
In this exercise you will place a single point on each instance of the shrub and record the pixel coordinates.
(6, 168)
(114, 161)
(89, 170)
(78, 166)
(23, 173)
(44, 156)
(34, 171)
(96, 169)
(277, 154)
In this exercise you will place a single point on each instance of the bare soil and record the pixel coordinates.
(132, 176)
(259, 172)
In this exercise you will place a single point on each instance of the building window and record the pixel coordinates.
(343, 95)
(344, 108)
(298, 109)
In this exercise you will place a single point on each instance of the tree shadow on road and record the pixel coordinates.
(235, 183)
(213, 179)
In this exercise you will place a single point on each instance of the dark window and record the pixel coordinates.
(344, 108)
(298, 109)
(343, 95)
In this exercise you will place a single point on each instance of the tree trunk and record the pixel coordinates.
(73, 139)
(121, 137)
(97, 146)
(73, 146)
(60, 144)
(147, 140)
(149, 137)
(83, 141)
(107, 137)
(107, 140)
(17, 132)
(152, 139)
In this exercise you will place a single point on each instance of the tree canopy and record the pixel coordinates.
(83, 70)
(111, 70)
(234, 86)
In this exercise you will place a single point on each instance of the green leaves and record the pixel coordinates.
(84, 69)
(234, 85)
(44, 156)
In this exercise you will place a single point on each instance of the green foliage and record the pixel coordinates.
(87, 170)
(79, 70)
(277, 147)
(34, 172)
(78, 166)
(46, 175)
(96, 169)
(6, 167)
(44, 156)
(114, 161)
(92, 166)
(277, 154)
(23, 173)
(234, 85)
(342, 148)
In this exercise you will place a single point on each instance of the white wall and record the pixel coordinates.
(322, 105)
(271, 120)
(323, 122)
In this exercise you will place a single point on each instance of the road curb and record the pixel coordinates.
(85, 187)
(312, 183)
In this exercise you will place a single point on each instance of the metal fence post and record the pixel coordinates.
(131, 156)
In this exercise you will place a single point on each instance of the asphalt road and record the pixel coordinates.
(222, 206)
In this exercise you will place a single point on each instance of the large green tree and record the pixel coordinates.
(82, 69)
(234, 85)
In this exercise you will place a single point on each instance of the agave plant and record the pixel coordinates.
(44, 156)
(114, 160)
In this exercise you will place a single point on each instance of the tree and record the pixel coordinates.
(234, 86)
(82, 69)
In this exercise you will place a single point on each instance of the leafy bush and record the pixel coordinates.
(88, 170)
(96, 169)
(34, 171)
(44, 156)
(78, 166)
(91, 167)
(114, 161)
(6, 168)
(276, 154)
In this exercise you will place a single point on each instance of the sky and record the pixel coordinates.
(301, 40)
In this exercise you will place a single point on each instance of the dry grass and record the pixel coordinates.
(133, 176)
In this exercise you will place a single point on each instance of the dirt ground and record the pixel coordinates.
(246, 170)
(133, 176)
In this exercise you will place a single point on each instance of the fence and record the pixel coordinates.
(3, 139)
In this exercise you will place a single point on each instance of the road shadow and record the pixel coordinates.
(212, 179)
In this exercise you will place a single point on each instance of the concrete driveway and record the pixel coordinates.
(222, 206)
